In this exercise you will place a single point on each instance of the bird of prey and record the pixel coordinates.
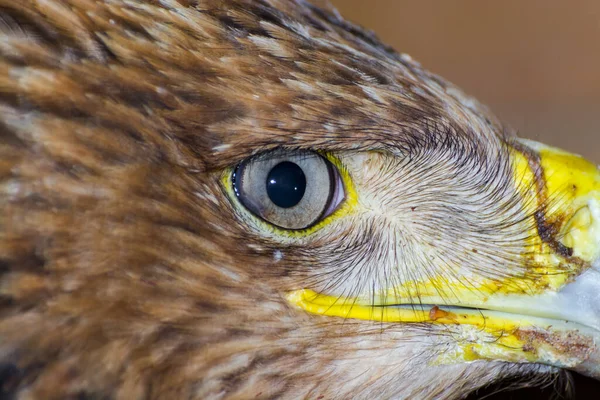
(230, 199)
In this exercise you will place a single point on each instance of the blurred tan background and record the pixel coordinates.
(536, 63)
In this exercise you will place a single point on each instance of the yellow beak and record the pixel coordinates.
(551, 316)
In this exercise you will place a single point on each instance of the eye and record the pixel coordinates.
(292, 190)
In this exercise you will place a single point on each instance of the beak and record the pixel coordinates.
(551, 316)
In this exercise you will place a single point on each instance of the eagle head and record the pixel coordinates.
(258, 199)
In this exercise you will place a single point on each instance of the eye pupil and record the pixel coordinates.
(286, 184)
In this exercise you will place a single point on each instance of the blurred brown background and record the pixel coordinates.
(536, 63)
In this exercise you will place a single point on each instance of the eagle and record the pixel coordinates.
(232, 199)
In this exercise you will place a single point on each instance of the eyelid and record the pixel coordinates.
(338, 194)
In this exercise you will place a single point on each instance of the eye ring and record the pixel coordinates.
(291, 190)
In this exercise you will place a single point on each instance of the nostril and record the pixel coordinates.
(582, 232)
